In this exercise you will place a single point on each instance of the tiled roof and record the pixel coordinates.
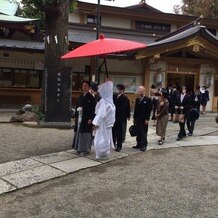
(9, 43)
(88, 36)
(10, 18)
(76, 36)
(143, 7)
(196, 30)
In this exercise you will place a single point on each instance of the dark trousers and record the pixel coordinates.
(124, 126)
(117, 131)
(198, 105)
(182, 132)
(191, 125)
(172, 109)
(142, 131)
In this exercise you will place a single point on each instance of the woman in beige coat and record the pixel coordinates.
(162, 117)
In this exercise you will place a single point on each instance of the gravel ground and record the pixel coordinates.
(178, 182)
(18, 141)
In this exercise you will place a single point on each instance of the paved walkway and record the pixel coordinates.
(28, 171)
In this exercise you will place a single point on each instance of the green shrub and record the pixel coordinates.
(36, 109)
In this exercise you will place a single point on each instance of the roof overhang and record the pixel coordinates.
(80, 34)
(149, 16)
(15, 19)
(22, 45)
(196, 39)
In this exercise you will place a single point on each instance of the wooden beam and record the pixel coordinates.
(190, 61)
(151, 52)
(174, 46)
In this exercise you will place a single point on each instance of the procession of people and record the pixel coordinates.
(101, 115)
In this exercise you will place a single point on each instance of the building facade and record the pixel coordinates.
(21, 61)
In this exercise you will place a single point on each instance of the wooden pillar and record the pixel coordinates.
(82, 18)
(147, 77)
(133, 24)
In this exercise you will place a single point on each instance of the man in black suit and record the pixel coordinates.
(122, 105)
(183, 106)
(143, 107)
(173, 94)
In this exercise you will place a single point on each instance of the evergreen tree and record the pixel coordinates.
(54, 15)
(206, 8)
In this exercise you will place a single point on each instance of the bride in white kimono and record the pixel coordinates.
(104, 121)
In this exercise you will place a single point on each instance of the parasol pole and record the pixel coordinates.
(97, 37)
(105, 64)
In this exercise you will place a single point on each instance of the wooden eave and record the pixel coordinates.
(17, 26)
(22, 49)
(207, 48)
(143, 7)
(158, 17)
(205, 51)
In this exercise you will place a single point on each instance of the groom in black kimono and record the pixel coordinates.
(83, 125)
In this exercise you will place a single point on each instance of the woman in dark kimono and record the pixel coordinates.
(162, 117)
(85, 112)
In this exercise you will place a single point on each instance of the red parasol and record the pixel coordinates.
(103, 46)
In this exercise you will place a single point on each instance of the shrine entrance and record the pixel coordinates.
(183, 76)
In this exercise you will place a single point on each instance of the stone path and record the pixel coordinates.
(25, 172)
(28, 171)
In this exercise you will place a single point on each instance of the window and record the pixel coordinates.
(91, 19)
(5, 54)
(20, 78)
(160, 27)
(77, 78)
(5, 77)
(33, 79)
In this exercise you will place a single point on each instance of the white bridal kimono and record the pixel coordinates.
(104, 119)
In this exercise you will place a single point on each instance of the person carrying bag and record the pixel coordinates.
(179, 117)
(182, 107)
(133, 130)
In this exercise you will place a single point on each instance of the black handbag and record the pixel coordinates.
(133, 130)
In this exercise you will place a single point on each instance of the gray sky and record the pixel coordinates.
(162, 5)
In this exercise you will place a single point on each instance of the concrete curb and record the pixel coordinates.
(29, 171)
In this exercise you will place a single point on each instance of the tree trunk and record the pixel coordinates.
(56, 35)
(56, 44)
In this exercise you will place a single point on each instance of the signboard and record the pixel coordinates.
(128, 81)
(58, 91)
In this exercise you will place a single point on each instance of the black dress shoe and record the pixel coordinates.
(136, 147)
(118, 149)
(143, 149)
(85, 153)
(179, 139)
